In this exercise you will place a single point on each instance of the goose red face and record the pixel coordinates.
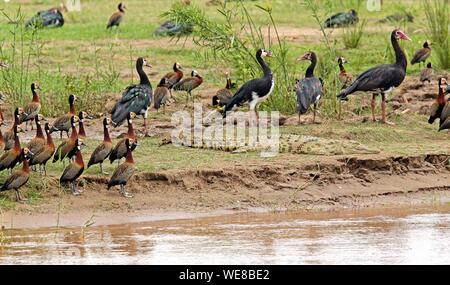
(399, 34)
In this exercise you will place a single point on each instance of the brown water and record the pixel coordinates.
(361, 237)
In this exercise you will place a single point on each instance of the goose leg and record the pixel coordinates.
(124, 192)
(373, 107)
(74, 190)
(299, 120)
(60, 134)
(314, 114)
(383, 110)
(45, 171)
(32, 124)
(17, 195)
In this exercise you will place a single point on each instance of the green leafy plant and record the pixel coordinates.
(352, 35)
(438, 20)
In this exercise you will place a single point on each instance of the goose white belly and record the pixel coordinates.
(256, 99)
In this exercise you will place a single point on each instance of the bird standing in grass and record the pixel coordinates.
(120, 150)
(10, 158)
(309, 89)
(117, 17)
(19, 177)
(344, 77)
(174, 76)
(74, 170)
(81, 132)
(427, 73)
(41, 158)
(188, 84)
(440, 109)
(255, 91)
(37, 144)
(33, 108)
(224, 95)
(124, 171)
(63, 124)
(422, 54)
(9, 135)
(161, 95)
(135, 98)
(103, 150)
(68, 147)
(382, 78)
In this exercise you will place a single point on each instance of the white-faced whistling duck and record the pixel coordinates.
(188, 84)
(19, 177)
(135, 98)
(124, 171)
(68, 147)
(2, 140)
(382, 78)
(224, 95)
(9, 135)
(74, 169)
(422, 54)
(10, 158)
(174, 76)
(427, 73)
(81, 132)
(342, 19)
(344, 76)
(33, 108)
(255, 91)
(43, 156)
(37, 144)
(103, 150)
(309, 89)
(117, 17)
(62, 124)
(440, 109)
(120, 149)
(161, 95)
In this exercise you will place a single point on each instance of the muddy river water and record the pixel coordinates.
(406, 236)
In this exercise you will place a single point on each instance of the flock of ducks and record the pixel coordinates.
(137, 98)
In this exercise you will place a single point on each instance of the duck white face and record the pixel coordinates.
(107, 122)
(443, 83)
(343, 60)
(266, 53)
(41, 118)
(178, 66)
(194, 73)
(145, 63)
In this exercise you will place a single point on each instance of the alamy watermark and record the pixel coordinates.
(240, 130)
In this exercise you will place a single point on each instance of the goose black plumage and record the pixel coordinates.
(342, 19)
(117, 17)
(382, 78)
(309, 89)
(422, 54)
(254, 91)
(135, 98)
(46, 19)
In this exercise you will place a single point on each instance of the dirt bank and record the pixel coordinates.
(325, 184)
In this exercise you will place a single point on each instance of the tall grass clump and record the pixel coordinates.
(437, 13)
(235, 40)
(352, 35)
